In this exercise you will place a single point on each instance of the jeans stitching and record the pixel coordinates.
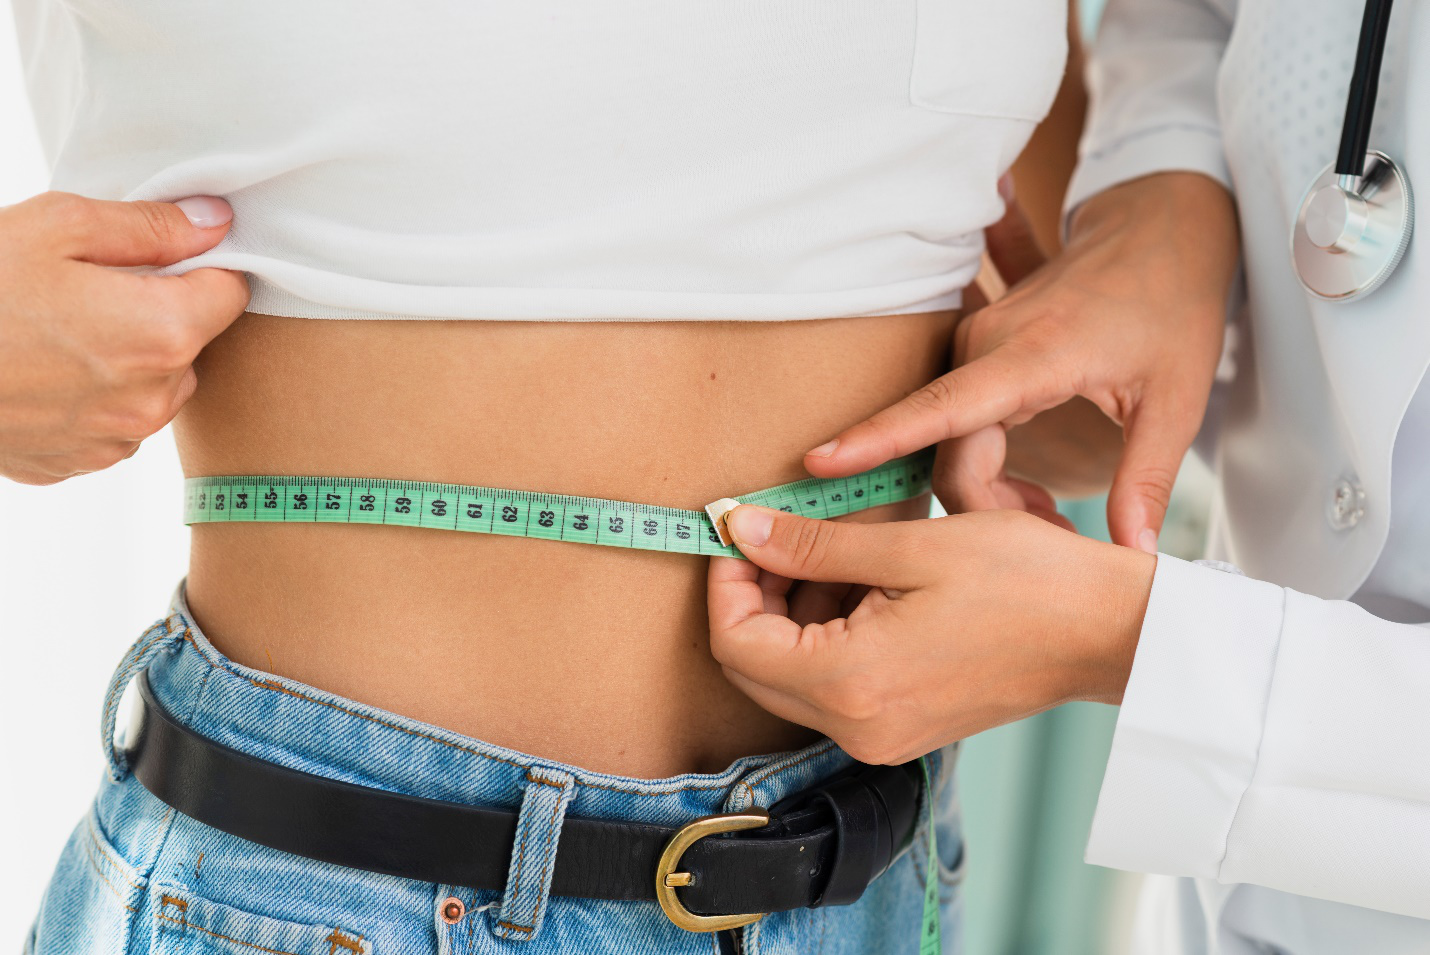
(185, 924)
(339, 938)
(544, 781)
(94, 838)
(524, 929)
(520, 855)
(691, 787)
(123, 676)
(116, 690)
(278, 688)
(768, 771)
(334, 940)
(270, 685)
(94, 864)
(755, 779)
(545, 860)
(521, 852)
(167, 821)
(472, 908)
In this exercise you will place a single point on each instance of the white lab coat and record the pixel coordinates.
(1274, 742)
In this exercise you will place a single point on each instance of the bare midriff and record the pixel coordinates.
(593, 656)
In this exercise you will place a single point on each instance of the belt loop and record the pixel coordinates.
(161, 636)
(533, 856)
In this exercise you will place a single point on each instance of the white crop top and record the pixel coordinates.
(558, 159)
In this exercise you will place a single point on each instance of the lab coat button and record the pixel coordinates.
(1347, 505)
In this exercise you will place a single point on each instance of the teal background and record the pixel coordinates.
(1028, 793)
(1029, 790)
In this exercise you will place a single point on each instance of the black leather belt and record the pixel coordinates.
(823, 846)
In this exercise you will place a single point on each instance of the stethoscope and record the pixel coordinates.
(1357, 217)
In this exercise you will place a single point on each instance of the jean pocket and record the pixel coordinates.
(1001, 58)
(91, 902)
(187, 924)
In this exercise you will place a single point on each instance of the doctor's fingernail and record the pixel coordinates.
(824, 450)
(206, 212)
(750, 525)
(1147, 540)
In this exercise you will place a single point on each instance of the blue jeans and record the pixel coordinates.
(137, 877)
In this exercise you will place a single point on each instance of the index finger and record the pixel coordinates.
(983, 392)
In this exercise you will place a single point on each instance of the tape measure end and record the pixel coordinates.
(717, 512)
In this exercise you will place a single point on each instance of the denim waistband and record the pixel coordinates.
(304, 728)
(294, 725)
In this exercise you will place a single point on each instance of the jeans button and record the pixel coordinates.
(452, 910)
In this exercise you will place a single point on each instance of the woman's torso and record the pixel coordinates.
(757, 161)
(595, 656)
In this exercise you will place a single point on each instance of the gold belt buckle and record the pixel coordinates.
(667, 880)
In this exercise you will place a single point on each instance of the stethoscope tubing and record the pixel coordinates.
(1365, 87)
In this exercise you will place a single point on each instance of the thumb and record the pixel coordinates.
(1157, 441)
(145, 233)
(880, 555)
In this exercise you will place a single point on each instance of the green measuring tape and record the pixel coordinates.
(930, 932)
(488, 510)
(586, 520)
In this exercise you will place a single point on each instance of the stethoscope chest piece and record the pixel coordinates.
(1351, 234)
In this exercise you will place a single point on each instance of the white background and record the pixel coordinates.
(85, 566)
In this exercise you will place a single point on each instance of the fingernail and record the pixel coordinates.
(824, 450)
(1147, 540)
(1005, 187)
(750, 526)
(206, 212)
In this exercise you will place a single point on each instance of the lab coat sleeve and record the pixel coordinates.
(1152, 76)
(1272, 738)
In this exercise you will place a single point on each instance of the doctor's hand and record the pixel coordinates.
(94, 359)
(1129, 317)
(968, 622)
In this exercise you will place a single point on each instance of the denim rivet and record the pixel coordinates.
(453, 910)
